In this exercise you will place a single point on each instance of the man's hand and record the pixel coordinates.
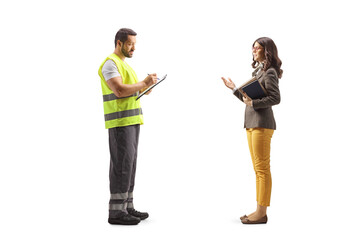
(150, 79)
(148, 92)
(142, 90)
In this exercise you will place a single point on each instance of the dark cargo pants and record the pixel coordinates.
(123, 142)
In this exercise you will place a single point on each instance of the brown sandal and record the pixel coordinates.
(262, 220)
(243, 217)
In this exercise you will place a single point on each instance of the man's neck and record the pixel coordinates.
(120, 55)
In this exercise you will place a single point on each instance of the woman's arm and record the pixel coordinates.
(238, 94)
(230, 84)
(273, 92)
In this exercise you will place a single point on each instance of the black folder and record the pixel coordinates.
(254, 89)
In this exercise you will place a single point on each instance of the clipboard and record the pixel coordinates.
(151, 87)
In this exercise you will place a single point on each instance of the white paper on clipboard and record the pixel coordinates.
(151, 87)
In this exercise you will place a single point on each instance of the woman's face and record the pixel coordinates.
(258, 52)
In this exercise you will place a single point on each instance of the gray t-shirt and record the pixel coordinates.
(109, 70)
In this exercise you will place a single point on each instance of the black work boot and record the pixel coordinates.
(124, 219)
(141, 215)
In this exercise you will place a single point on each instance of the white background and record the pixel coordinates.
(194, 174)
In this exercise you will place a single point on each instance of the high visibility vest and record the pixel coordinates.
(124, 111)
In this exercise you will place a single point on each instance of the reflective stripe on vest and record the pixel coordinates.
(123, 114)
(112, 96)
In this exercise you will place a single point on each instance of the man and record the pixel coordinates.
(123, 117)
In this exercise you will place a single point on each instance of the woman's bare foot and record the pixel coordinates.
(251, 214)
(258, 214)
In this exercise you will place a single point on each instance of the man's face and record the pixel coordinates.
(128, 47)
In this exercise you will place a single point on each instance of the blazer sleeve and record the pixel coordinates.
(238, 94)
(273, 93)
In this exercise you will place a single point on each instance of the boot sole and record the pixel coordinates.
(120, 222)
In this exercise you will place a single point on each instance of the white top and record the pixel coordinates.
(109, 70)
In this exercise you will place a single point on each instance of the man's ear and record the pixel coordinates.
(119, 43)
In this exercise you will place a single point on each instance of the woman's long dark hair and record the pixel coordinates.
(271, 55)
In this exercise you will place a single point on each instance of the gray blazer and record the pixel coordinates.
(261, 114)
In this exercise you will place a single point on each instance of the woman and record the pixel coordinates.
(260, 123)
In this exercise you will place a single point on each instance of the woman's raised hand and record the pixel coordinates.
(228, 83)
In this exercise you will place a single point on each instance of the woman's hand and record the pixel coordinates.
(228, 83)
(247, 100)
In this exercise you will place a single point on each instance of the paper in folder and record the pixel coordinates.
(151, 87)
(254, 89)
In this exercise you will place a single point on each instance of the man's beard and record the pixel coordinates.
(126, 54)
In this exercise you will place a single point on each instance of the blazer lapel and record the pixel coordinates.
(259, 75)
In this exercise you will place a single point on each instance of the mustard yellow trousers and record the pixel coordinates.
(259, 140)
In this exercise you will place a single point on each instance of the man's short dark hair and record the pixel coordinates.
(123, 34)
